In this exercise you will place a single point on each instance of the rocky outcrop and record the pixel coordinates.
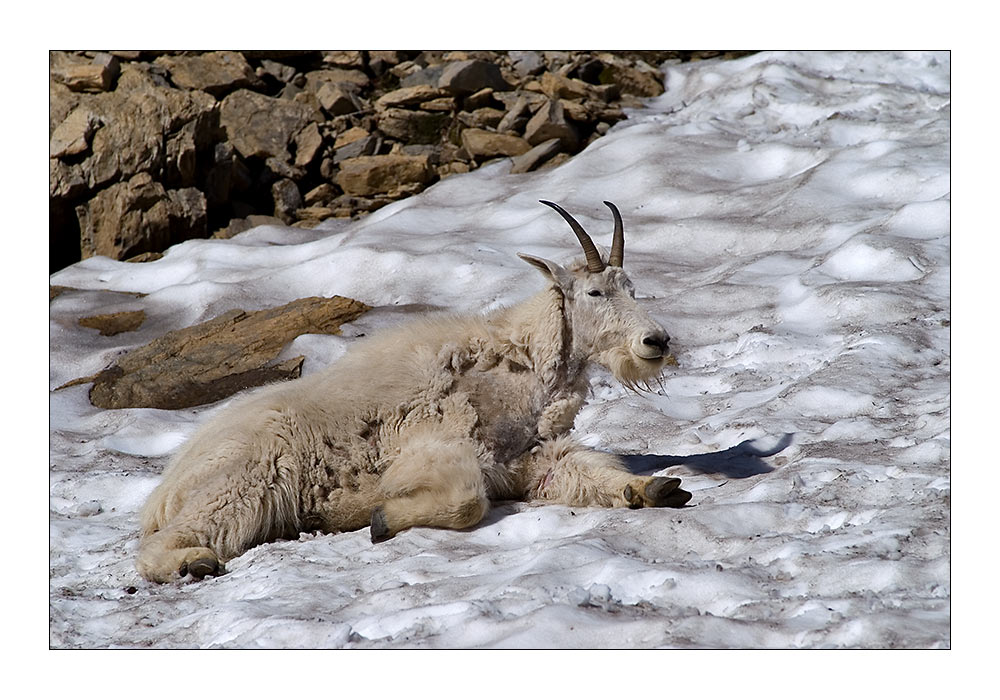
(148, 149)
(211, 360)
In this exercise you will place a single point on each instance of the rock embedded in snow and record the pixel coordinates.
(215, 359)
(369, 175)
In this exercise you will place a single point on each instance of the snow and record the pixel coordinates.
(787, 218)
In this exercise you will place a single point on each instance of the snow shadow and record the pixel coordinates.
(738, 462)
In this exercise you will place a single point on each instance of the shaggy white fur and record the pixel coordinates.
(423, 425)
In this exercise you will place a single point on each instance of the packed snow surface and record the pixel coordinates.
(787, 220)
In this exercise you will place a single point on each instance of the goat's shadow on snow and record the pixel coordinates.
(738, 462)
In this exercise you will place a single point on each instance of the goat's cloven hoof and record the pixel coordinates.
(200, 568)
(380, 529)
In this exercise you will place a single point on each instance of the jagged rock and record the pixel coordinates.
(217, 73)
(349, 59)
(467, 77)
(139, 216)
(314, 80)
(262, 127)
(73, 135)
(365, 145)
(287, 199)
(482, 144)
(526, 62)
(484, 118)
(113, 324)
(639, 79)
(516, 117)
(215, 359)
(409, 96)
(321, 194)
(369, 175)
(412, 125)
(182, 149)
(66, 182)
(278, 71)
(97, 76)
(530, 160)
(550, 122)
(558, 86)
(337, 99)
(125, 219)
(308, 144)
(430, 75)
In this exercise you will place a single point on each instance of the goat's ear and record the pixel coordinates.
(553, 271)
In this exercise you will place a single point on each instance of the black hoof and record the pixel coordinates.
(200, 568)
(664, 492)
(380, 529)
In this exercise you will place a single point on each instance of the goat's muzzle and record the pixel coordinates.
(652, 346)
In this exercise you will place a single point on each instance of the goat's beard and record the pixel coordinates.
(633, 372)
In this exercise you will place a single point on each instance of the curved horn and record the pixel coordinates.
(618, 242)
(594, 262)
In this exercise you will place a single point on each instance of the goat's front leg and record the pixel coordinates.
(562, 471)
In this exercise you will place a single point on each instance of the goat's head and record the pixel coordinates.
(606, 323)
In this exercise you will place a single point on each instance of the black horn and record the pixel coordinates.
(618, 242)
(594, 262)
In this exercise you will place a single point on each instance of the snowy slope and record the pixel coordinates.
(787, 218)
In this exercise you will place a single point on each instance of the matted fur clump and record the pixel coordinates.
(423, 426)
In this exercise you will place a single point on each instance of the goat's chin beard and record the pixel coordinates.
(632, 371)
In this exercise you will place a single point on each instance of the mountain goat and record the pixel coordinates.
(419, 426)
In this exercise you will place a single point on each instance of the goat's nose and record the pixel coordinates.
(659, 341)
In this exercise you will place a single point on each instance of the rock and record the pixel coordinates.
(308, 144)
(217, 73)
(182, 154)
(530, 160)
(639, 78)
(337, 99)
(369, 175)
(364, 146)
(97, 76)
(516, 117)
(526, 62)
(72, 136)
(215, 359)
(125, 219)
(557, 86)
(262, 127)
(287, 200)
(66, 182)
(314, 80)
(484, 118)
(409, 96)
(320, 194)
(441, 104)
(113, 324)
(278, 71)
(420, 76)
(411, 125)
(481, 144)
(349, 59)
(188, 214)
(479, 100)
(355, 133)
(550, 122)
(467, 77)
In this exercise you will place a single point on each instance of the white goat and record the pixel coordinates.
(420, 426)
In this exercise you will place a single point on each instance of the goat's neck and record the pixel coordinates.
(536, 333)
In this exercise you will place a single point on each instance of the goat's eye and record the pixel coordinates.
(595, 293)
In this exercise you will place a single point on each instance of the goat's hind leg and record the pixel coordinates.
(437, 481)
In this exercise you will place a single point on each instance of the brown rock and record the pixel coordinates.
(315, 79)
(336, 99)
(467, 77)
(409, 96)
(558, 86)
(96, 76)
(65, 181)
(260, 126)
(483, 118)
(369, 175)
(212, 360)
(125, 219)
(355, 133)
(73, 135)
(412, 125)
(287, 199)
(639, 79)
(482, 144)
(530, 160)
(308, 144)
(350, 59)
(550, 122)
(217, 73)
(113, 324)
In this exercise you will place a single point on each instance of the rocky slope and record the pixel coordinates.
(148, 149)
